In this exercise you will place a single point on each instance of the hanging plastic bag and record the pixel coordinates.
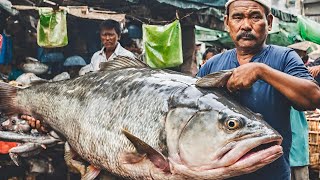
(163, 46)
(52, 28)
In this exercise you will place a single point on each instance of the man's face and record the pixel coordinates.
(209, 55)
(109, 38)
(247, 24)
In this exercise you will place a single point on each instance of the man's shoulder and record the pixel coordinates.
(219, 58)
(98, 53)
(277, 55)
(124, 52)
(279, 49)
(217, 63)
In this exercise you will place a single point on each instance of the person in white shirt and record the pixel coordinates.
(110, 34)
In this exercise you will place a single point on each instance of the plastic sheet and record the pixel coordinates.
(163, 45)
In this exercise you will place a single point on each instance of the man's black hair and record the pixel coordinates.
(214, 51)
(111, 24)
(266, 10)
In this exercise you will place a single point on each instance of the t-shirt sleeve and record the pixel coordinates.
(295, 67)
(204, 70)
(207, 67)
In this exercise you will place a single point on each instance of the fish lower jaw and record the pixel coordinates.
(262, 155)
(251, 161)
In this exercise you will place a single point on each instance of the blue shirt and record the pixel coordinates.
(264, 99)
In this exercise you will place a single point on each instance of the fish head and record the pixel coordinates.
(15, 124)
(214, 137)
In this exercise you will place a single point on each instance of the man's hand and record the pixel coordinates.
(314, 70)
(35, 124)
(244, 77)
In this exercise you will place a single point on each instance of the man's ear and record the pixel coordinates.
(226, 23)
(270, 20)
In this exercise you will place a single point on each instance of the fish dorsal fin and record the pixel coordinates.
(217, 79)
(122, 62)
(155, 157)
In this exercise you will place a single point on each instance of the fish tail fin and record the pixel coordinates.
(8, 96)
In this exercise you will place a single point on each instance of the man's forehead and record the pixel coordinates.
(107, 29)
(246, 6)
(265, 3)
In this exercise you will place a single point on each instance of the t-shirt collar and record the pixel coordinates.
(253, 58)
(116, 51)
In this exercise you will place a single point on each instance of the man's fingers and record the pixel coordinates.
(38, 125)
(32, 123)
(24, 117)
(43, 129)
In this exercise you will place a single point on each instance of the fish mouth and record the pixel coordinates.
(245, 152)
(240, 158)
(265, 146)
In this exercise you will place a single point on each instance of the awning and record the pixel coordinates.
(83, 12)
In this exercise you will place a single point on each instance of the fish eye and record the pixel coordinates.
(233, 123)
(13, 121)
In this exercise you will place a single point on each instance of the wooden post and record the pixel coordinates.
(188, 47)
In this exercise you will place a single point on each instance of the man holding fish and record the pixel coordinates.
(266, 78)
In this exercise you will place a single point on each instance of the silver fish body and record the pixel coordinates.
(140, 123)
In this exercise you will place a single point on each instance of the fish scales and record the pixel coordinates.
(180, 131)
(96, 111)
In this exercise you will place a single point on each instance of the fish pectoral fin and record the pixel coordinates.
(153, 155)
(92, 173)
(217, 79)
(122, 62)
(75, 166)
(132, 158)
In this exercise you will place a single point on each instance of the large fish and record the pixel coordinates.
(140, 123)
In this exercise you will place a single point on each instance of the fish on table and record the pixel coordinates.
(141, 123)
(34, 66)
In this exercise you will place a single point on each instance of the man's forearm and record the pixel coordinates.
(302, 92)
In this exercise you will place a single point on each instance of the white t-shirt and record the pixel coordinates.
(100, 56)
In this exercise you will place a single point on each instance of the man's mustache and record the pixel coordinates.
(247, 35)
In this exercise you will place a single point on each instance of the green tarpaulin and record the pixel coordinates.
(309, 29)
(282, 34)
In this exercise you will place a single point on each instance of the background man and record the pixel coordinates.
(268, 79)
(110, 33)
(209, 53)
